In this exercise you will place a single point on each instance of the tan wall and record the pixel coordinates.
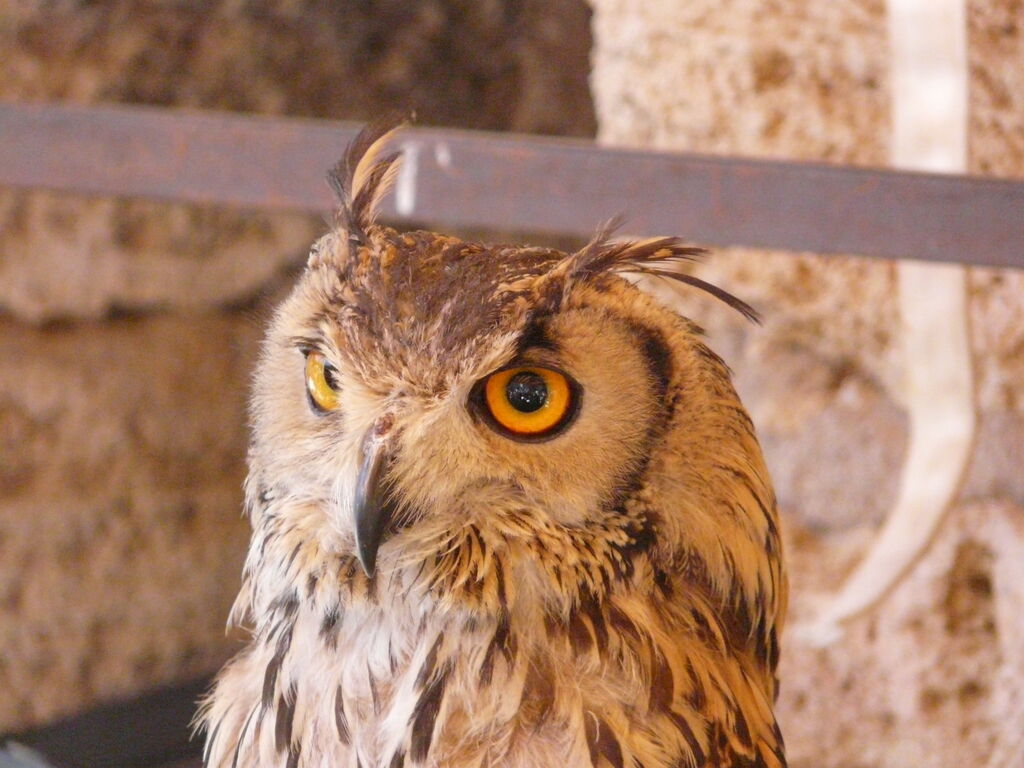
(128, 328)
(933, 677)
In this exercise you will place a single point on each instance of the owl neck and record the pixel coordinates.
(479, 616)
(497, 625)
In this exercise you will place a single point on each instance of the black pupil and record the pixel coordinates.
(526, 392)
(331, 376)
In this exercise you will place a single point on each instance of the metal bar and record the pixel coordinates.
(509, 182)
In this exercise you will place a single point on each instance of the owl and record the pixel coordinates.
(507, 510)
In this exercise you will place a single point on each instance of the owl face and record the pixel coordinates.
(420, 389)
(413, 382)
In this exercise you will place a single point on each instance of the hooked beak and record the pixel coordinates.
(374, 505)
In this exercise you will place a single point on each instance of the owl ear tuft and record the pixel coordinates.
(653, 256)
(364, 175)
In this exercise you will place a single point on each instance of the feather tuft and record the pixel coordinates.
(364, 175)
(652, 256)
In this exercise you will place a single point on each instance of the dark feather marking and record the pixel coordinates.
(747, 482)
(579, 636)
(713, 358)
(590, 727)
(294, 752)
(664, 582)
(211, 739)
(623, 624)
(699, 758)
(499, 575)
(662, 683)
(741, 729)
(374, 696)
(736, 620)
(285, 718)
(340, 718)
(535, 336)
(697, 697)
(779, 747)
(427, 670)
(293, 555)
(703, 628)
(601, 741)
(424, 715)
(284, 641)
(538, 693)
(590, 606)
(270, 679)
(773, 651)
(329, 625)
(241, 737)
(657, 356)
(287, 604)
(641, 538)
(264, 495)
(552, 624)
(499, 642)
(398, 759)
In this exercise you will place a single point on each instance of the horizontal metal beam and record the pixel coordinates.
(510, 182)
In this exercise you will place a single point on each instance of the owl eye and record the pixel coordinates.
(321, 383)
(528, 402)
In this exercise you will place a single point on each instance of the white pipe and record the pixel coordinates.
(929, 79)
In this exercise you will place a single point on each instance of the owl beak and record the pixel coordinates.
(374, 503)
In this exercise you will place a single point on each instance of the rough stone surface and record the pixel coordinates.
(811, 77)
(63, 257)
(931, 678)
(996, 52)
(120, 529)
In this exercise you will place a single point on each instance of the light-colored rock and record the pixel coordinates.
(66, 257)
(121, 538)
(781, 78)
(933, 680)
(996, 53)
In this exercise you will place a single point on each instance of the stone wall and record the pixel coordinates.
(932, 677)
(127, 327)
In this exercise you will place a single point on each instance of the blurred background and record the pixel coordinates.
(128, 330)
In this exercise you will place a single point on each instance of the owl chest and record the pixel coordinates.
(380, 685)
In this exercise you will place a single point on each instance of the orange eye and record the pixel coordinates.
(529, 402)
(321, 382)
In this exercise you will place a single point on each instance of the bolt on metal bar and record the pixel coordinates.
(512, 182)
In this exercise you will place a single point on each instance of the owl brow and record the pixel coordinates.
(307, 344)
(535, 336)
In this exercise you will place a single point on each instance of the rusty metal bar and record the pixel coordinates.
(509, 182)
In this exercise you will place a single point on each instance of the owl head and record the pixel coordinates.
(413, 383)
